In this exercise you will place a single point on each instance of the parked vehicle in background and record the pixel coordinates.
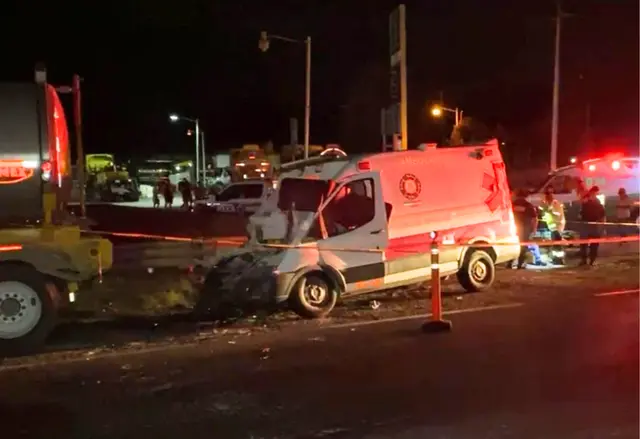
(609, 173)
(241, 197)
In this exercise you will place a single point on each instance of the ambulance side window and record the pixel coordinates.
(353, 208)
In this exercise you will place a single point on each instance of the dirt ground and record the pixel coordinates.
(166, 292)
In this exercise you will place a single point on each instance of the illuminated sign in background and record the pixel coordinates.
(15, 171)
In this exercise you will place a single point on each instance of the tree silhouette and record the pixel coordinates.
(469, 131)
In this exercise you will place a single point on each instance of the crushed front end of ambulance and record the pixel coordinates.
(254, 276)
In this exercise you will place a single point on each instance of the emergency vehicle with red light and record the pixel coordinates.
(338, 226)
(41, 263)
(610, 173)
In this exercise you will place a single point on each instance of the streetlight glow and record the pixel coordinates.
(174, 117)
(438, 110)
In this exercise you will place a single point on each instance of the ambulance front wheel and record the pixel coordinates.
(477, 272)
(313, 296)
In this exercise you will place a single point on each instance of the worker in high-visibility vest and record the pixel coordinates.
(553, 216)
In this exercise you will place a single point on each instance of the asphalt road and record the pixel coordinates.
(554, 369)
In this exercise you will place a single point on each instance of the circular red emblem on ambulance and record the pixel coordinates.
(410, 186)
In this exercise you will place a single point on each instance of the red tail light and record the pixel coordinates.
(46, 171)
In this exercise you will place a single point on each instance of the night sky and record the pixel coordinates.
(142, 59)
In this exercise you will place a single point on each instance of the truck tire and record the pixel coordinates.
(313, 296)
(28, 313)
(477, 272)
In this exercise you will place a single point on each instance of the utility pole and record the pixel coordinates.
(396, 113)
(404, 128)
(204, 159)
(556, 89)
(77, 115)
(307, 97)
(197, 123)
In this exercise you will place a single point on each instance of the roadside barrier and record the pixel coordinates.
(156, 251)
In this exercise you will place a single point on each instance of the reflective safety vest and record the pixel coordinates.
(623, 208)
(553, 215)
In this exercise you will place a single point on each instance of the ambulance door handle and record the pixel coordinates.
(375, 232)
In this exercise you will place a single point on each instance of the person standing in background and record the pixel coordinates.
(623, 211)
(526, 219)
(592, 213)
(553, 214)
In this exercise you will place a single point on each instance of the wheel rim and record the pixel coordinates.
(20, 309)
(314, 294)
(479, 271)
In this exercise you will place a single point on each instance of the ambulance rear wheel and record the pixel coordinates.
(28, 313)
(477, 272)
(313, 296)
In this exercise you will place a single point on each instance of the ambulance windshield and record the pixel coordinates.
(305, 195)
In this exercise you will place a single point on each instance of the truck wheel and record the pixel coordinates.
(477, 272)
(28, 313)
(313, 297)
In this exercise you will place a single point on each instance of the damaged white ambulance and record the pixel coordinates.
(338, 226)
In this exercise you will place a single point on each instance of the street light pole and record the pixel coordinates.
(263, 44)
(556, 90)
(437, 112)
(197, 122)
(307, 98)
(556, 95)
(204, 159)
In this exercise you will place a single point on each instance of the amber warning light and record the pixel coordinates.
(15, 171)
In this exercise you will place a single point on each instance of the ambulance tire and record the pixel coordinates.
(477, 272)
(313, 296)
(23, 284)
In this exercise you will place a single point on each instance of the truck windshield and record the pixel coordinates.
(304, 194)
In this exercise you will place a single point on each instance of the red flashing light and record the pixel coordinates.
(488, 152)
(615, 165)
(363, 166)
(592, 167)
(46, 167)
